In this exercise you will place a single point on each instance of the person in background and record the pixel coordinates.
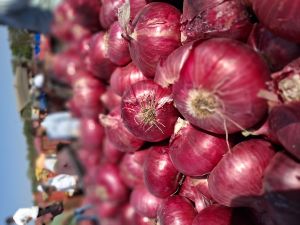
(33, 15)
(24, 215)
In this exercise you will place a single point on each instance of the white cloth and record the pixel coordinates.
(23, 215)
(61, 125)
(50, 163)
(38, 80)
(64, 182)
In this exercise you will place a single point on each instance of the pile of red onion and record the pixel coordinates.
(189, 110)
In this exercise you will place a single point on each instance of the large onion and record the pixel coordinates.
(214, 215)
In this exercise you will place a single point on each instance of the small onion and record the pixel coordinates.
(193, 152)
(118, 134)
(154, 34)
(110, 152)
(284, 122)
(124, 77)
(128, 214)
(220, 93)
(214, 215)
(131, 168)
(108, 209)
(237, 179)
(161, 177)
(144, 202)
(176, 210)
(142, 220)
(148, 111)
(109, 12)
(118, 51)
(110, 99)
(91, 133)
(89, 157)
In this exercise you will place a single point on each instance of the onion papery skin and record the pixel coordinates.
(110, 152)
(193, 152)
(86, 95)
(161, 177)
(286, 83)
(214, 18)
(284, 122)
(277, 51)
(132, 168)
(110, 186)
(109, 12)
(282, 189)
(124, 77)
(222, 90)
(154, 34)
(144, 202)
(110, 99)
(281, 17)
(118, 50)
(118, 134)
(237, 179)
(176, 210)
(99, 63)
(91, 133)
(148, 111)
(168, 70)
(214, 215)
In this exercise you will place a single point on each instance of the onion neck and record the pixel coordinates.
(290, 88)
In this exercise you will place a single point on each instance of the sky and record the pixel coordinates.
(15, 191)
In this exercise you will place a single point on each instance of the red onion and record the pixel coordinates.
(176, 210)
(99, 63)
(144, 202)
(72, 107)
(110, 99)
(91, 133)
(131, 168)
(86, 95)
(276, 51)
(220, 94)
(280, 17)
(108, 209)
(118, 51)
(110, 186)
(110, 152)
(153, 35)
(90, 157)
(109, 12)
(237, 179)
(282, 187)
(196, 189)
(284, 122)
(124, 77)
(189, 146)
(148, 111)
(127, 214)
(142, 220)
(118, 134)
(214, 215)
(168, 70)
(161, 177)
(287, 82)
(204, 19)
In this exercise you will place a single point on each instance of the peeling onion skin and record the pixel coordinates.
(214, 215)
(148, 111)
(161, 177)
(176, 210)
(237, 179)
(154, 34)
(193, 152)
(282, 189)
(279, 16)
(222, 90)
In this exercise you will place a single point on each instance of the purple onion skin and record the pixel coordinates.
(214, 215)
(155, 33)
(282, 189)
(91, 133)
(279, 16)
(222, 90)
(176, 210)
(144, 202)
(195, 153)
(110, 152)
(161, 177)
(277, 51)
(237, 179)
(214, 18)
(284, 122)
(148, 111)
(109, 12)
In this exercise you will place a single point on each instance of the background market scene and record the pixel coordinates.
(144, 112)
